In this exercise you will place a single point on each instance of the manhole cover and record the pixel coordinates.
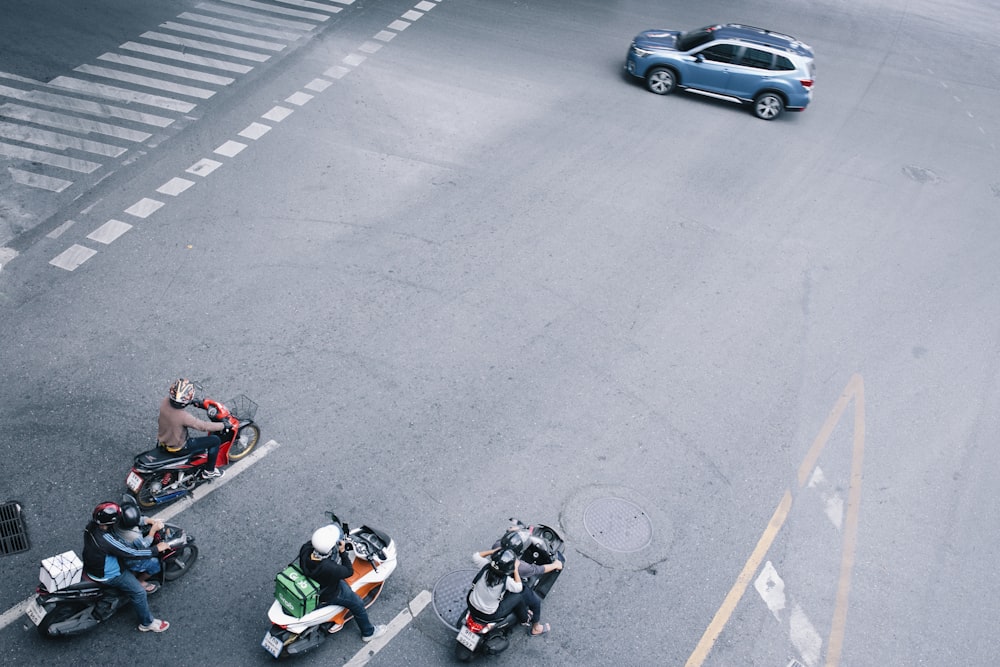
(448, 596)
(618, 524)
(13, 536)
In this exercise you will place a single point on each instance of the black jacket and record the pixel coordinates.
(327, 572)
(101, 545)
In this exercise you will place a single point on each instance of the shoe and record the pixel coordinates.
(212, 474)
(156, 626)
(379, 631)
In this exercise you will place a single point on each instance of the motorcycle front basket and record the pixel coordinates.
(243, 408)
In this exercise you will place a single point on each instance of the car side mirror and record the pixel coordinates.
(699, 58)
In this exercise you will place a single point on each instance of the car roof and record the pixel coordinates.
(762, 36)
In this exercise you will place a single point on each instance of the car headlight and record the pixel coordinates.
(641, 53)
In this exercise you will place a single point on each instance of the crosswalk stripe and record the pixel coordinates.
(307, 4)
(182, 72)
(124, 94)
(40, 181)
(207, 46)
(84, 106)
(73, 123)
(182, 56)
(250, 4)
(51, 159)
(223, 36)
(240, 27)
(147, 81)
(255, 16)
(48, 139)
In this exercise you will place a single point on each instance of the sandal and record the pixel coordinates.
(150, 587)
(545, 628)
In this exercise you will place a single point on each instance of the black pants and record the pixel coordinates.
(209, 442)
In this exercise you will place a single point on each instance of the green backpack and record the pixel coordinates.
(297, 593)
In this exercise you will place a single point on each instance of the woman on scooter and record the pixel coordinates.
(497, 591)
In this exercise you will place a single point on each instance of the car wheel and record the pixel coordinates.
(768, 106)
(661, 80)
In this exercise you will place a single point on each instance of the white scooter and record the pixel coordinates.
(373, 556)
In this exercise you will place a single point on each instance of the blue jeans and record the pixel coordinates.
(343, 596)
(127, 583)
(209, 442)
(149, 565)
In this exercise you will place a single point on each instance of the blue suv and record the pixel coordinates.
(740, 63)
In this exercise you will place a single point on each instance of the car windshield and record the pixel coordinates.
(694, 38)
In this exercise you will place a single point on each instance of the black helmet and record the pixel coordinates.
(130, 516)
(106, 514)
(512, 540)
(504, 562)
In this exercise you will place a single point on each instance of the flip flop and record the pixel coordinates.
(150, 587)
(545, 629)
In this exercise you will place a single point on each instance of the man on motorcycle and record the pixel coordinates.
(498, 589)
(316, 561)
(175, 420)
(102, 554)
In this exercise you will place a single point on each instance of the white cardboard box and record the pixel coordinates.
(60, 571)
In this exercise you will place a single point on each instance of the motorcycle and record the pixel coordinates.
(159, 477)
(79, 607)
(542, 546)
(373, 558)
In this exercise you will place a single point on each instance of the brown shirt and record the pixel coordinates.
(174, 423)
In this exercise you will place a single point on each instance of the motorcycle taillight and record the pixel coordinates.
(474, 625)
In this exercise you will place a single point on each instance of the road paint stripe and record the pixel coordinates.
(147, 81)
(277, 114)
(258, 17)
(240, 27)
(56, 140)
(254, 131)
(384, 35)
(173, 510)
(771, 589)
(83, 106)
(58, 231)
(109, 231)
(230, 148)
(707, 641)
(144, 208)
(40, 181)
(121, 94)
(424, 6)
(298, 99)
(833, 504)
(308, 4)
(183, 56)
(51, 159)
(73, 123)
(72, 257)
(318, 85)
(370, 47)
(804, 637)
(182, 72)
(174, 186)
(203, 167)
(336, 72)
(353, 59)
(393, 628)
(220, 36)
(412, 15)
(250, 4)
(207, 46)
(6, 255)
(398, 25)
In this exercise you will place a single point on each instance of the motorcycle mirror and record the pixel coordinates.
(333, 517)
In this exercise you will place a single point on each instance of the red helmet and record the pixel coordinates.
(106, 514)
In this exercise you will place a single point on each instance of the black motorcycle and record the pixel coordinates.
(542, 546)
(79, 607)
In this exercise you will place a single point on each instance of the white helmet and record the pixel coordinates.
(324, 540)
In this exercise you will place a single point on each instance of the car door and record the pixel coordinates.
(710, 69)
(748, 73)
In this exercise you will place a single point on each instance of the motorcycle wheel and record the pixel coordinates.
(178, 565)
(462, 653)
(246, 440)
(144, 496)
(62, 612)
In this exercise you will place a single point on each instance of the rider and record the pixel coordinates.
(102, 554)
(497, 590)
(317, 562)
(174, 422)
(127, 530)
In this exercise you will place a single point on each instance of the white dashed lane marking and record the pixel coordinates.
(109, 231)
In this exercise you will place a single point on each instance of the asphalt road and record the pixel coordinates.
(482, 275)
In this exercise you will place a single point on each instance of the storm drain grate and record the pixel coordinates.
(13, 536)
(448, 596)
(618, 524)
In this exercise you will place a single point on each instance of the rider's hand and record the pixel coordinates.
(162, 546)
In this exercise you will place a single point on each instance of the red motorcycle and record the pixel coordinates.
(159, 477)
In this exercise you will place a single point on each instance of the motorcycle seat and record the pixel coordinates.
(158, 457)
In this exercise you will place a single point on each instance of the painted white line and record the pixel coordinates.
(240, 27)
(84, 106)
(174, 186)
(353, 59)
(207, 46)
(17, 610)
(183, 72)
(313, 5)
(370, 47)
(424, 6)
(144, 208)
(223, 36)
(336, 72)
(298, 99)
(147, 81)
(73, 123)
(109, 231)
(121, 94)
(172, 54)
(399, 26)
(771, 589)
(32, 180)
(250, 4)
(230, 148)
(277, 114)
(72, 257)
(804, 637)
(58, 231)
(57, 140)
(260, 18)
(394, 627)
(203, 167)
(255, 130)
(412, 15)
(318, 85)
(384, 35)
(52, 159)
(6, 255)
